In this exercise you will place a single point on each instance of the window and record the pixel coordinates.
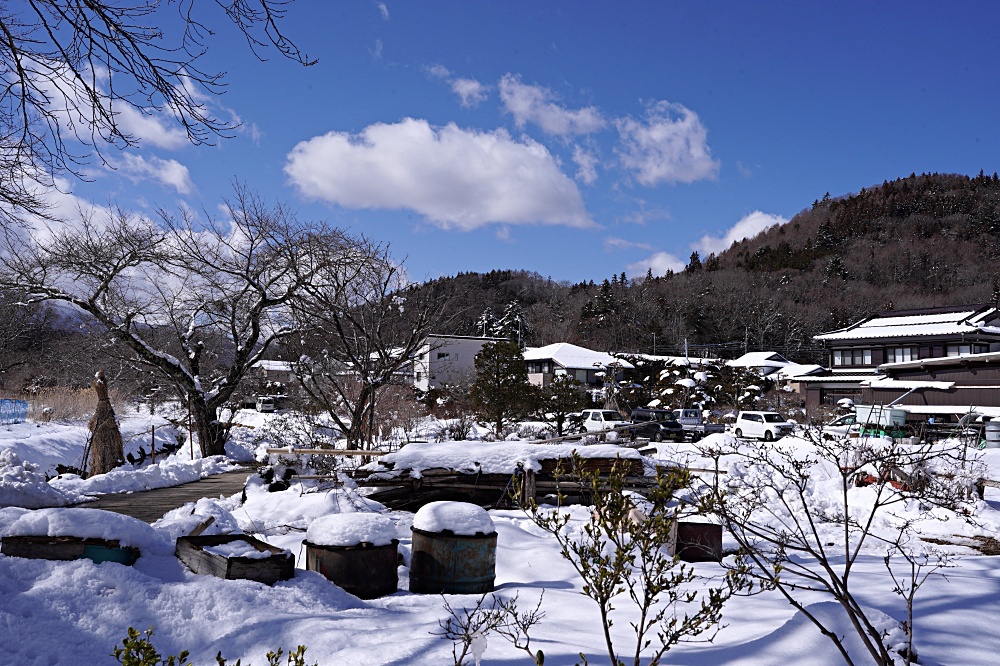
(844, 357)
(963, 349)
(442, 355)
(900, 354)
(831, 396)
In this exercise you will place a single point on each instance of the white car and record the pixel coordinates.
(768, 426)
(841, 427)
(602, 419)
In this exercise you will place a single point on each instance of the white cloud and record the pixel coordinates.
(587, 165)
(439, 71)
(167, 172)
(533, 104)
(457, 178)
(659, 263)
(613, 243)
(376, 51)
(471, 92)
(383, 11)
(668, 146)
(748, 227)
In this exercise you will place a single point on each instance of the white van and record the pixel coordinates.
(768, 426)
(265, 403)
(601, 419)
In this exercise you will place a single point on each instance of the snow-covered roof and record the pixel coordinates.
(679, 361)
(911, 325)
(274, 366)
(795, 370)
(567, 355)
(906, 385)
(766, 363)
(836, 377)
(759, 359)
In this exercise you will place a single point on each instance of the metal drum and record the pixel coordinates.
(365, 571)
(993, 435)
(446, 563)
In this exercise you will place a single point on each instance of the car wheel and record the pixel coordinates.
(768, 436)
(695, 437)
(738, 432)
(658, 437)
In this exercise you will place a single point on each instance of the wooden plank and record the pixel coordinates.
(326, 452)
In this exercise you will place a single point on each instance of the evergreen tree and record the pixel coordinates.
(563, 396)
(501, 393)
(694, 263)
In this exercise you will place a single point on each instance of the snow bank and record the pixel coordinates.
(459, 518)
(180, 521)
(172, 471)
(21, 484)
(88, 524)
(352, 529)
(489, 457)
(295, 509)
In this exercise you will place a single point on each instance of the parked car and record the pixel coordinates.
(693, 424)
(265, 403)
(768, 426)
(840, 427)
(656, 424)
(595, 420)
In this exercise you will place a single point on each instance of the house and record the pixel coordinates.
(867, 350)
(562, 358)
(447, 359)
(279, 372)
(971, 380)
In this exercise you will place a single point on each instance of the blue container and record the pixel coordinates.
(446, 563)
(100, 553)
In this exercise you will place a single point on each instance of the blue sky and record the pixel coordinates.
(580, 139)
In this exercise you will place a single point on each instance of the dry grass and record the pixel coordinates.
(67, 404)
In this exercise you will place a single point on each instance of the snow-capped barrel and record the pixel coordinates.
(357, 551)
(454, 549)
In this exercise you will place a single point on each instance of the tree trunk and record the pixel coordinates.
(106, 448)
(211, 433)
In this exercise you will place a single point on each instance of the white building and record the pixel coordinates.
(562, 358)
(447, 359)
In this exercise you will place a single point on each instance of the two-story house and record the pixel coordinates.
(587, 366)
(447, 360)
(859, 355)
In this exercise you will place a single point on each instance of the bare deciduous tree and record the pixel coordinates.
(804, 517)
(74, 71)
(199, 303)
(363, 327)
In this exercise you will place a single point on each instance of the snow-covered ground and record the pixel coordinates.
(70, 613)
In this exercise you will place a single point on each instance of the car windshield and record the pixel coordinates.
(773, 418)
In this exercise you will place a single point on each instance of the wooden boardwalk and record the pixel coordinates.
(150, 505)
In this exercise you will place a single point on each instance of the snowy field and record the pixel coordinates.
(71, 613)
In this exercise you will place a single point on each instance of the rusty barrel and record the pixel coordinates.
(447, 563)
(366, 571)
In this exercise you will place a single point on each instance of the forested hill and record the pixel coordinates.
(920, 241)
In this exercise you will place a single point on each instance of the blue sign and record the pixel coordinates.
(13, 411)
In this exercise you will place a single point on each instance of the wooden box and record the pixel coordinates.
(68, 548)
(280, 565)
(699, 542)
